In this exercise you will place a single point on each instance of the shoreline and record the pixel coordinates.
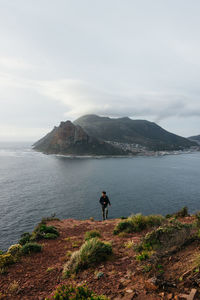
(145, 154)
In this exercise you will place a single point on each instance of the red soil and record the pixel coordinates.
(37, 275)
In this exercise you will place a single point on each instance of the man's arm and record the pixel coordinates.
(109, 201)
(100, 201)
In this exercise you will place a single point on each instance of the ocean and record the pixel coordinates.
(34, 185)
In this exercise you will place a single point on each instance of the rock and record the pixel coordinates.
(151, 284)
(190, 296)
(69, 138)
(99, 275)
(129, 291)
(120, 286)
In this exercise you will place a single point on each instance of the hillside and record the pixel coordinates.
(167, 271)
(195, 138)
(125, 130)
(71, 139)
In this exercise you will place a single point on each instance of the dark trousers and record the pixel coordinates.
(104, 212)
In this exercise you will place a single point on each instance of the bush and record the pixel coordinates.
(6, 259)
(92, 234)
(42, 231)
(183, 212)
(25, 238)
(197, 216)
(15, 250)
(29, 248)
(65, 292)
(136, 223)
(91, 252)
(142, 256)
(173, 235)
(50, 236)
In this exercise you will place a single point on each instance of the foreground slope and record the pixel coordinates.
(124, 276)
(125, 130)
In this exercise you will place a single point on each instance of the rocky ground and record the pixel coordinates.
(121, 277)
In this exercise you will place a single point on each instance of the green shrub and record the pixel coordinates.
(183, 212)
(65, 292)
(142, 256)
(29, 248)
(6, 259)
(50, 236)
(42, 231)
(136, 223)
(92, 234)
(165, 237)
(91, 252)
(25, 238)
(15, 250)
(197, 216)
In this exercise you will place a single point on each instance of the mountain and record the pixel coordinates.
(126, 130)
(195, 138)
(68, 138)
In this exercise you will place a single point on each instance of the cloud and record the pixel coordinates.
(7, 62)
(79, 97)
(82, 98)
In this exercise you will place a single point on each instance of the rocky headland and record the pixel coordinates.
(101, 136)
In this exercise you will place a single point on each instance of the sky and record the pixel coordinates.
(66, 58)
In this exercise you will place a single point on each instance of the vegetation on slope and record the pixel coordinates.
(66, 292)
(93, 251)
(137, 223)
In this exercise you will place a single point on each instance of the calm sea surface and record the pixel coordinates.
(34, 185)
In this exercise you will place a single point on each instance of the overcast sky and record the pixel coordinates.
(65, 58)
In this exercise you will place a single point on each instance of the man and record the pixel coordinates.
(104, 201)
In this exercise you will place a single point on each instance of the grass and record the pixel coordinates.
(72, 293)
(13, 287)
(142, 256)
(129, 244)
(50, 269)
(137, 223)
(92, 234)
(91, 252)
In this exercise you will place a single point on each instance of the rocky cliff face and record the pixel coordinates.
(68, 138)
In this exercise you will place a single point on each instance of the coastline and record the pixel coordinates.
(139, 154)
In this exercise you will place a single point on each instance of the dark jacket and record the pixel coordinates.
(104, 201)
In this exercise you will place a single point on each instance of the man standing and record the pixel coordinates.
(104, 201)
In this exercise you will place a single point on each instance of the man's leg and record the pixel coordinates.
(103, 212)
(106, 212)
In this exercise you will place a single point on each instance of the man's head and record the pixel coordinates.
(103, 193)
